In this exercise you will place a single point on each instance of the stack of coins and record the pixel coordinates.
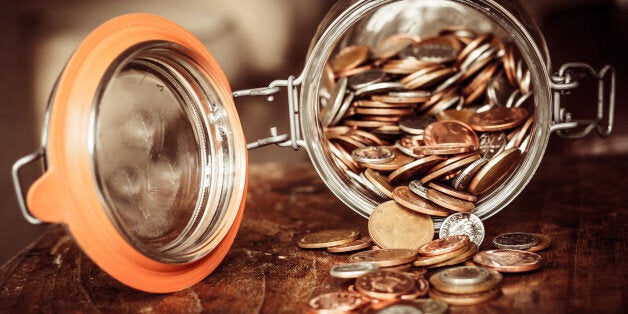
(431, 123)
(465, 285)
(446, 251)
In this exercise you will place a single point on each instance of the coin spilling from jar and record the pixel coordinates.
(432, 123)
(426, 280)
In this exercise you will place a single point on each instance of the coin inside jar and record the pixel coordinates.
(372, 155)
(450, 131)
(407, 199)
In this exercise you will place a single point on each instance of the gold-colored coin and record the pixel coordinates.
(413, 169)
(450, 202)
(427, 261)
(328, 238)
(490, 282)
(544, 243)
(495, 170)
(450, 168)
(453, 192)
(444, 245)
(393, 227)
(385, 257)
(356, 245)
(408, 199)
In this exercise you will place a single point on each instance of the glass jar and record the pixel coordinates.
(111, 149)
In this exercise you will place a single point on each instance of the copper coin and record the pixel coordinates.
(449, 202)
(509, 261)
(328, 238)
(452, 192)
(356, 245)
(430, 78)
(515, 241)
(489, 282)
(372, 155)
(450, 160)
(450, 131)
(366, 123)
(415, 124)
(417, 273)
(349, 57)
(523, 131)
(379, 181)
(337, 301)
(465, 299)
(444, 245)
(544, 243)
(383, 111)
(445, 149)
(466, 255)
(399, 161)
(393, 227)
(343, 157)
(427, 261)
(346, 142)
(413, 169)
(378, 104)
(498, 119)
(407, 199)
(385, 257)
(354, 71)
(422, 72)
(384, 284)
(462, 115)
(403, 268)
(495, 170)
(432, 175)
(365, 78)
(421, 286)
(368, 136)
(400, 99)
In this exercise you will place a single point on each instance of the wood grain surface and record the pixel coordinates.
(579, 202)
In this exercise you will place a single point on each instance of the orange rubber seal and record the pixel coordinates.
(67, 192)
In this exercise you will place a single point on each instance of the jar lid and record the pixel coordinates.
(147, 161)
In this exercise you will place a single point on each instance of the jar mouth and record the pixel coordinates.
(370, 22)
(162, 153)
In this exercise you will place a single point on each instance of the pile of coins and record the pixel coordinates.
(395, 279)
(431, 123)
(465, 285)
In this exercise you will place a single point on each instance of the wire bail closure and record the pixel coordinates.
(283, 140)
(566, 80)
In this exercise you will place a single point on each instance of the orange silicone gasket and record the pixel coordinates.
(67, 192)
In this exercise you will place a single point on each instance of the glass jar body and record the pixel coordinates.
(369, 22)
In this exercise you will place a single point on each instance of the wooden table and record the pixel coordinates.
(579, 202)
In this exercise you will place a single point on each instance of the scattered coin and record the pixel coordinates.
(509, 261)
(544, 243)
(465, 299)
(431, 306)
(352, 270)
(337, 301)
(385, 257)
(429, 261)
(384, 284)
(462, 257)
(487, 282)
(464, 275)
(394, 227)
(362, 243)
(461, 223)
(444, 245)
(328, 238)
(515, 241)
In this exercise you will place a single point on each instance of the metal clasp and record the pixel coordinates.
(17, 184)
(284, 140)
(567, 79)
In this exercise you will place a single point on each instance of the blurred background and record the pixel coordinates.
(255, 41)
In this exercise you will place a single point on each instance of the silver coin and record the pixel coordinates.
(335, 102)
(498, 91)
(383, 87)
(432, 306)
(400, 309)
(365, 79)
(463, 275)
(474, 56)
(525, 99)
(461, 223)
(372, 155)
(417, 188)
(346, 103)
(435, 53)
(461, 181)
(405, 150)
(415, 124)
(448, 82)
(515, 241)
(492, 143)
(411, 94)
(372, 187)
(352, 270)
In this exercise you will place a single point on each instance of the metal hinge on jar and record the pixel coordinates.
(566, 80)
(284, 140)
